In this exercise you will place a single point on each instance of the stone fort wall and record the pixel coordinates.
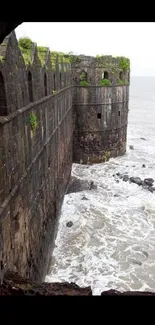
(50, 116)
(100, 113)
(35, 164)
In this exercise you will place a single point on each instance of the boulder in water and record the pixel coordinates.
(149, 181)
(78, 185)
(84, 198)
(136, 180)
(131, 147)
(69, 224)
(125, 178)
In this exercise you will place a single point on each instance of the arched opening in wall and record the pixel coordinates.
(3, 105)
(30, 86)
(99, 116)
(45, 84)
(54, 85)
(106, 75)
(121, 75)
(83, 76)
(60, 79)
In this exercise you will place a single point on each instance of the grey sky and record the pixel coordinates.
(134, 40)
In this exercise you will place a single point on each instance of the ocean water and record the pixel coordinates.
(111, 244)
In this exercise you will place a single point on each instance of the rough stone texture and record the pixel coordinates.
(35, 166)
(127, 293)
(77, 185)
(101, 115)
(15, 285)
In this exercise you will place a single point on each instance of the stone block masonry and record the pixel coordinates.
(100, 113)
(51, 115)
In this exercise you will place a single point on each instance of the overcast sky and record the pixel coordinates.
(134, 40)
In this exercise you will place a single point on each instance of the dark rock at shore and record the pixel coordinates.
(149, 181)
(142, 138)
(125, 178)
(126, 293)
(145, 253)
(78, 185)
(15, 285)
(84, 198)
(151, 189)
(92, 186)
(144, 166)
(131, 147)
(136, 180)
(137, 262)
(69, 224)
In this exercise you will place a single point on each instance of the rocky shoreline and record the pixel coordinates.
(15, 285)
(146, 183)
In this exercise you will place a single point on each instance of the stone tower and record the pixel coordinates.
(100, 107)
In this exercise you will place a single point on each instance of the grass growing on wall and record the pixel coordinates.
(122, 82)
(105, 82)
(25, 45)
(2, 58)
(124, 63)
(84, 83)
(33, 122)
(42, 51)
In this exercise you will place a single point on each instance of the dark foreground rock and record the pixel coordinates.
(136, 180)
(126, 293)
(147, 183)
(15, 285)
(69, 224)
(78, 185)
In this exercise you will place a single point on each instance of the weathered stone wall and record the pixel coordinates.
(35, 164)
(100, 123)
(34, 173)
(36, 143)
(100, 112)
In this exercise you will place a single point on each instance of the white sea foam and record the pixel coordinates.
(111, 244)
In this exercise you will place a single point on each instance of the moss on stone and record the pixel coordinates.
(53, 92)
(25, 45)
(33, 122)
(84, 83)
(105, 82)
(121, 82)
(42, 51)
(124, 63)
(2, 59)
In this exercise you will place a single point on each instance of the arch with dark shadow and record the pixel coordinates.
(54, 85)
(45, 84)
(106, 75)
(30, 86)
(121, 75)
(3, 104)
